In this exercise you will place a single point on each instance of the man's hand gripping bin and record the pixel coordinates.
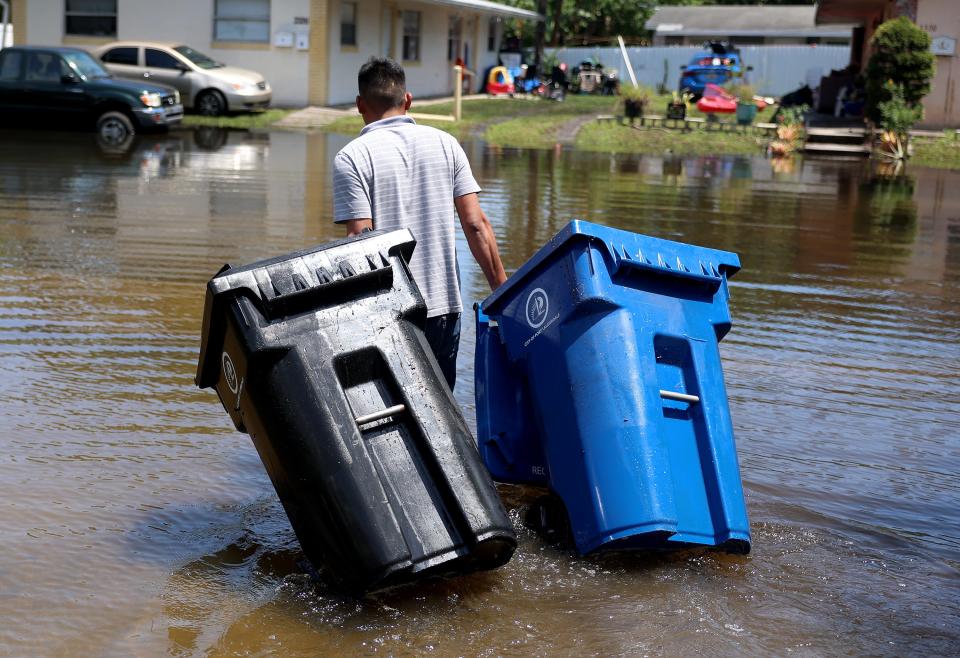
(320, 356)
(598, 374)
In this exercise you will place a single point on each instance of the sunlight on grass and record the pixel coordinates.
(943, 153)
(241, 121)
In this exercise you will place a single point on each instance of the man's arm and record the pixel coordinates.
(358, 226)
(480, 238)
(351, 204)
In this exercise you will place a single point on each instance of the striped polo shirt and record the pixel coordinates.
(403, 175)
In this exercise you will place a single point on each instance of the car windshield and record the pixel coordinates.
(85, 65)
(198, 58)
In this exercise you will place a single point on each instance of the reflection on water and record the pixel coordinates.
(135, 520)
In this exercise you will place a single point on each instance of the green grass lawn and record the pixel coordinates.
(540, 130)
(480, 116)
(541, 127)
(244, 121)
(614, 138)
(943, 153)
(537, 123)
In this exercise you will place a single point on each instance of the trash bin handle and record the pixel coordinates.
(704, 276)
(371, 280)
(380, 415)
(679, 397)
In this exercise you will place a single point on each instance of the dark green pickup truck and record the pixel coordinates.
(57, 85)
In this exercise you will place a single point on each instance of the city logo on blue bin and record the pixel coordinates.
(537, 306)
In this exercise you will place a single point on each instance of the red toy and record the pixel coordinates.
(717, 99)
(499, 81)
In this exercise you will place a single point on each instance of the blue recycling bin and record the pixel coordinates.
(598, 375)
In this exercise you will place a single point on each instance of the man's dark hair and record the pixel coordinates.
(382, 83)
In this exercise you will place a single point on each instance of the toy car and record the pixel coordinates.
(499, 81)
(718, 64)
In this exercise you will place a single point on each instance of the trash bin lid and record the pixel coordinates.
(311, 268)
(625, 249)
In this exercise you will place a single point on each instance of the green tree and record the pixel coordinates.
(901, 58)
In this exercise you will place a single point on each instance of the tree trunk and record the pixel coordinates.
(557, 13)
(541, 35)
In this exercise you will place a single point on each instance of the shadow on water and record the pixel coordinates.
(892, 208)
(255, 573)
(210, 601)
(74, 148)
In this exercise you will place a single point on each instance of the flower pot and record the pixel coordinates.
(746, 113)
(677, 111)
(633, 108)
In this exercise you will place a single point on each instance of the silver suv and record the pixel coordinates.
(205, 85)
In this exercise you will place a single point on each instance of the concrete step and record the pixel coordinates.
(837, 132)
(830, 147)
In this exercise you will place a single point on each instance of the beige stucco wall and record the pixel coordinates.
(941, 18)
(371, 40)
(378, 21)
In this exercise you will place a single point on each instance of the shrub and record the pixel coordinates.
(897, 116)
(901, 54)
(638, 93)
(743, 92)
(793, 116)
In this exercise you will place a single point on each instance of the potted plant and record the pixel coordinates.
(635, 100)
(790, 131)
(746, 105)
(677, 107)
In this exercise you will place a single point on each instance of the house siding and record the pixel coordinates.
(942, 105)
(346, 61)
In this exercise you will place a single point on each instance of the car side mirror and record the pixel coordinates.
(749, 68)
(183, 68)
(69, 79)
(683, 67)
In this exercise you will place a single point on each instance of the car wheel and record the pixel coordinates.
(114, 128)
(211, 103)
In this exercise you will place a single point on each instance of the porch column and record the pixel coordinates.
(392, 22)
(319, 53)
(475, 64)
(18, 16)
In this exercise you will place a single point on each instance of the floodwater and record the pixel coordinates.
(136, 521)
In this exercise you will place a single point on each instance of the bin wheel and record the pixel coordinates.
(547, 516)
(211, 103)
(114, 127)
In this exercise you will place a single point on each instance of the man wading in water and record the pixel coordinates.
(398, 174)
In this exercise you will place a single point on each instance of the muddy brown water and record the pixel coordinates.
(136, 521)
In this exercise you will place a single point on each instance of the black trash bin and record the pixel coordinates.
(320, 356)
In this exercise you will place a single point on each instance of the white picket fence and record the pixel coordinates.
(776, 69)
